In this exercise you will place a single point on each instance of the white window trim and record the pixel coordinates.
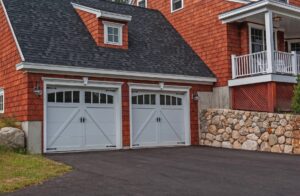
(292, 41)
(114, 25)
(260, 27)
(2, 94)
(172, 10)
(146, 3)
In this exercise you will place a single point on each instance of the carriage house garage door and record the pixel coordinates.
(159, 119)
(80, 119)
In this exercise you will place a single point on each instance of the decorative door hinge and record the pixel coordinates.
(111, 146)
(51, 148)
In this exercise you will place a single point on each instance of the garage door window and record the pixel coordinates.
(64, 97)
(170, 100)
(145, 99)
(98, 98)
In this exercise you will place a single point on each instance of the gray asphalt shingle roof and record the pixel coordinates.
(51, 32)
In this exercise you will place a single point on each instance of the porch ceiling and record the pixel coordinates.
(288, 16)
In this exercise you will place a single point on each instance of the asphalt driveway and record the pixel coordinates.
(174, 171)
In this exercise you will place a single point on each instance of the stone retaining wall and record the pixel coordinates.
(257, 131)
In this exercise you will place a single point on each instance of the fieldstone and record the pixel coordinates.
(288, 140)
(210, 136)
(272, 139)
(230, 121)
(243, 131)
(236, 145)
(234, 121)
(255, 119)
(225, 136)
(242, 123)
(215, 120)
(289, 127)
(259, 141)
(220, 131)
(219, 138)
(242, 139)
(237, 127)
(279, 131)
(276, 148)
(216, 144)
(11, 137)
(207, 142)
(274, 124)
(201, 142)
(226, 145)
(281, 140)
(212, 129)
(265, 147)
(288, 149)
(265, 124)
(249, 145)
(228, 130)
(235, 134)
(252, 137)
(265, 136)
(256, 130)
(288, 134)
(283, 122)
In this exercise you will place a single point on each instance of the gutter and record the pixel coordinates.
(84, 71)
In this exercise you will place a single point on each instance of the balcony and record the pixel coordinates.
(257, 64)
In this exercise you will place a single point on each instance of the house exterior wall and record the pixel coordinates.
(14, 83)
(96, 28)
(199, 25)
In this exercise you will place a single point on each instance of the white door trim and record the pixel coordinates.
(82, 83)
(164, 88)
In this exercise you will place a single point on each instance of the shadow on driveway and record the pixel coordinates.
(173, 171)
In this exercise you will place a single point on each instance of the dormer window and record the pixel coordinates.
(176, 5)
(113, 33)
(142, 3)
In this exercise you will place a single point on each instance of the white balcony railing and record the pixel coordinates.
(257, 63)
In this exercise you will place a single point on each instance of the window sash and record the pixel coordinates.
(113, 33)
(142, 3)
(176, 4)
(257, 43)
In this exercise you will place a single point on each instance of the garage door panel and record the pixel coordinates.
(87, 123)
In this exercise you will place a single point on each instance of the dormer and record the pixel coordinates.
(108, 29)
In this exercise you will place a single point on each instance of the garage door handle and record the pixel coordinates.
(158, 119)
(82, 120)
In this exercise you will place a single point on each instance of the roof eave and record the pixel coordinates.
(84, 71)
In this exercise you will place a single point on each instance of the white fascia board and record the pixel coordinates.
(102, 14)
(259, 7)
(262, 79)
(84, 71)
(12, 31)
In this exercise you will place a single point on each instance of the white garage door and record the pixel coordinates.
(157, 119)
(80, 119)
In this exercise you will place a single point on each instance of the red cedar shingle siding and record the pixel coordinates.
(14, 82)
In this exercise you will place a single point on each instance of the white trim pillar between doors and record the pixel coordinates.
(269, 40)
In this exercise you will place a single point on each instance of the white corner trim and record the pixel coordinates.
(12, 31)
(262, 79)
(84, 71)
(102, 13)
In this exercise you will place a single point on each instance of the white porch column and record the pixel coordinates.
(270, 41)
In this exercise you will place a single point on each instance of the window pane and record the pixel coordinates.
(59, 97)
(51, 97)
(110, 99)
(153, 101)
(110, 30)
(116, 31)
(134, 100)
(110, 38)
(116, 38)
(177, 4)
(1, 103)
(295, 47)
(168, 100)
(102, 98)
(147, 99)
(257, 40)
(162, 99)
(140, 99)
(88, 96)
(173, 100)
(179, 101)
(95, 97)
(142, 3)
(75, 96)
(68, 97)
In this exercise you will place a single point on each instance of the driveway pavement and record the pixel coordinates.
(174, 171)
